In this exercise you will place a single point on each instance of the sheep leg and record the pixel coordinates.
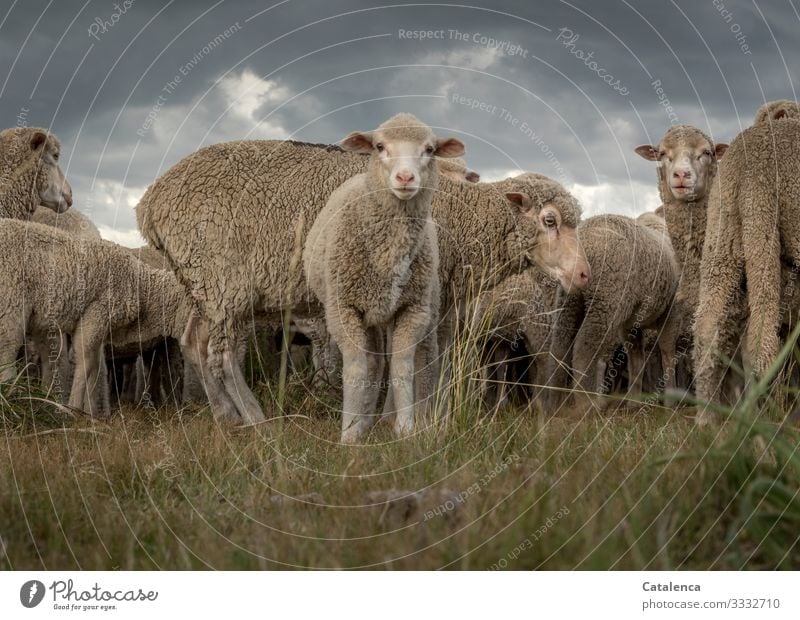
(593, 349)
(194, 346)
(761, 241)
(87, 343)
(388, 402)
(561, 345)
(636, 357)
(12, 337)
(426, 363)
(376, 366)
(409, 329)
(349, 332)
(719, 282)
(236, 386)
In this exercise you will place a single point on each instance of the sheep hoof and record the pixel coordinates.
(350, 436)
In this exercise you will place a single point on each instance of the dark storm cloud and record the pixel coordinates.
(562, 88)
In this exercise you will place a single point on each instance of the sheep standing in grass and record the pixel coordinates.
(229, 216)
(634, 278)
(51, 346)
(371, 257)
(88, 289)
(753, 238)
(687, 166)
(29, 173)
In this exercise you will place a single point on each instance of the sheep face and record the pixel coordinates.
(549, 242)
(687, 162)
(403, 151)
(54, 191)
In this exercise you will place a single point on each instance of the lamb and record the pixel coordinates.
(776, 110)
(687, 166)
(753, 238)
(229, 217)
(635, 276)
(86, 289)
(372, 258)
(29, 173)
(51, 347)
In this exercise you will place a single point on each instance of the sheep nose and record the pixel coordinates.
(584, 275)
(66, 193)
(405, 177)
(683, 175)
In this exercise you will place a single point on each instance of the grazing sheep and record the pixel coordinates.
(634, 278)
(51, 347)
(687, 166)
(142, 369)
(89, 289)
(776, 110)
(371, 257)
(29, 173)
(229, 217)
(753, 239)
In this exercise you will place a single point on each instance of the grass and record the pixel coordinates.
(517, 490)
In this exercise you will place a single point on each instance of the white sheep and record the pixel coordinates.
(51, 348)
(88, 289)
(233, 218)
(372, 258)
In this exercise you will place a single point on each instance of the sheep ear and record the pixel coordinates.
(38, 139)
(521, 201)
(472, 176)
(449, 147)
(647, 151)
(358, 142)
(720, 149)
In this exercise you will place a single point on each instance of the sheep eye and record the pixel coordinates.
(379, 147)
(55, 156)
(549, 220)
(429, 150)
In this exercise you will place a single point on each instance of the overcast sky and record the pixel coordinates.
(561, 88)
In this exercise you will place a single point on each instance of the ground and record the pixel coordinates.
(636, 488)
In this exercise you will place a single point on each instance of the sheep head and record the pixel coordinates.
(403, 151)
(34, 153)
(546, 230)
(776, 110)
(687, 163)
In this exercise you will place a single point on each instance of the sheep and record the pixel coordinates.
(371, 258)
(29, 173)
(521, 307)
(634, 279)
(88, 289)
(326, 356)
(687, 167)
(753, 240)
(776, 110)
(456, 169)
(51, 349)
(141, 368)
(232, 219)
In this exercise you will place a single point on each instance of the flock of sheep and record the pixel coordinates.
(378, 248)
